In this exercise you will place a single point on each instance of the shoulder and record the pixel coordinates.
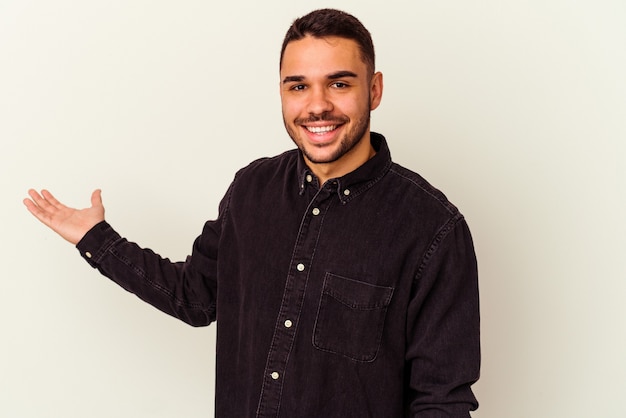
(266, 176)
(419, 194)
(266, 168)
(408, 190)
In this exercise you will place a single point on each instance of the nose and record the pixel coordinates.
(319, 102)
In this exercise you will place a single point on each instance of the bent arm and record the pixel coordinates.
(184, 290)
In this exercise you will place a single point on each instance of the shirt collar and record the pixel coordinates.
(357, 181)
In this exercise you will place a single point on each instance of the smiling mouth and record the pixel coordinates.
(320, 129)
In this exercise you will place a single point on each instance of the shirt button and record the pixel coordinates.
(275, 375)
(309, 178)
(300, 267)
(288, 324)
(346, 192)
(87, 254)
(316, 211)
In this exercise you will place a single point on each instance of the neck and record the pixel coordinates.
(347, 163)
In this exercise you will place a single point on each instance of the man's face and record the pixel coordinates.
(327, 94)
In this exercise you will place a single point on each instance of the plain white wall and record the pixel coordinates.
(515, 109)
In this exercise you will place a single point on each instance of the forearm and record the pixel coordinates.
(177, 289)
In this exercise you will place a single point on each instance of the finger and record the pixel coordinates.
(31, 206)
(33, 194)
(38, 200)
(51, 199)
(36, 211)
(96, 198)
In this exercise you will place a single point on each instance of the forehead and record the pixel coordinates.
(311, 55)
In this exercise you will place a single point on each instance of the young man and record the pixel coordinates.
(343, 284)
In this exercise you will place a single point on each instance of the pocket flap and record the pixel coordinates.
(356, 294)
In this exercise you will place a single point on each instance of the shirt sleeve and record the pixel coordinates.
(443, 328)
(185, 290)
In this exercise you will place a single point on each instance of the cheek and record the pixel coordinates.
(289, 107)
(358, 98)
(353, 106)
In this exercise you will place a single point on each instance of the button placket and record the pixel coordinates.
(293, 298)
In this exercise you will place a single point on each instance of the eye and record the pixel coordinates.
(297, 87)
(339, 85)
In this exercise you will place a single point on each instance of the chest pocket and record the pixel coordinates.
(350, 317)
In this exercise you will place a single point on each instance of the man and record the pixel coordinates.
(343, 285)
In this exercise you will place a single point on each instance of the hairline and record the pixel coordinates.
(362, 54)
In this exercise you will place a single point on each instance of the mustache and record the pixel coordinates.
(324, 117)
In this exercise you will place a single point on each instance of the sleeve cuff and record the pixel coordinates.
(94, 245)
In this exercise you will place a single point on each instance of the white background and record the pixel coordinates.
(515, 109)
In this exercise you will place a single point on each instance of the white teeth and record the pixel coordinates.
(321, 129)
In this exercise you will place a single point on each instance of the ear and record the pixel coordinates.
(376, 90)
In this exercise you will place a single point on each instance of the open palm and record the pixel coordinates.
(72, 224)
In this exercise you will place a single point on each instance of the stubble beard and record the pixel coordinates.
(350, 140)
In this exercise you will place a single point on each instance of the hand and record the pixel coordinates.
(72, 224)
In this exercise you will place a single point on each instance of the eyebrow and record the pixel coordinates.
(342, 74)
(293, 79)
(332, 76)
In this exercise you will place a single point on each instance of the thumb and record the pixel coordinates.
(96, 198)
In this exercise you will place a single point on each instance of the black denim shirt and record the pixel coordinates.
(358, 298)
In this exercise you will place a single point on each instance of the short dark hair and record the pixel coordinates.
(324, 23)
